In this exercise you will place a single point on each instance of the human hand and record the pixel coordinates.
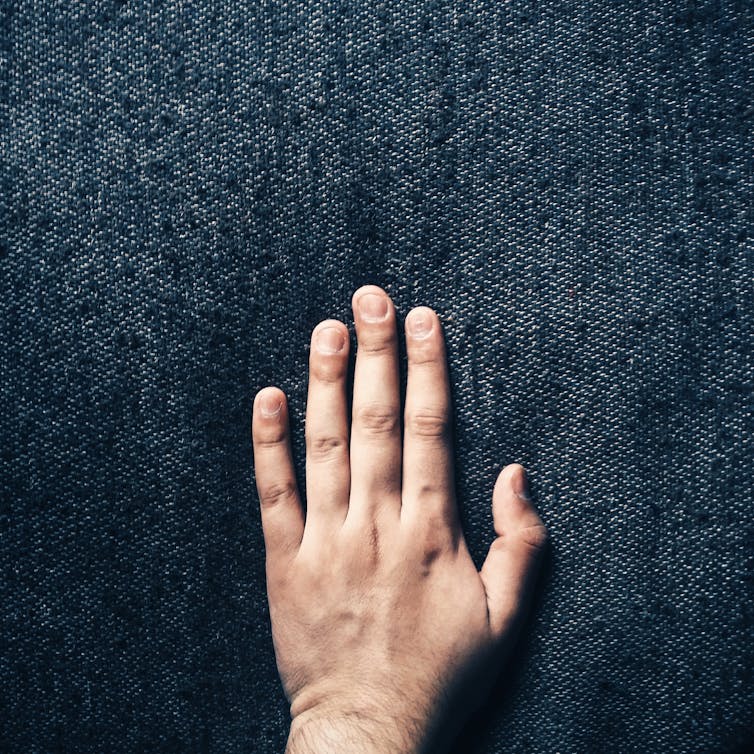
(379, 615)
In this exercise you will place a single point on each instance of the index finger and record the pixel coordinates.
(428, 475)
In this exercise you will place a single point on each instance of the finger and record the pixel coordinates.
(376, 426)
(328, 473)
(511, 563)
(282, 514)
(428, 477)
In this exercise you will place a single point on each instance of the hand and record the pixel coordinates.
(378, 613)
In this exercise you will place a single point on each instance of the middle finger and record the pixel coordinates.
(376, 450)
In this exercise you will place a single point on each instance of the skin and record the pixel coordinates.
(386, 636)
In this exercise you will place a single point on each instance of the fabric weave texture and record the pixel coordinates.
(189, 187)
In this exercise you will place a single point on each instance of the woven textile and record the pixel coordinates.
(189, 187)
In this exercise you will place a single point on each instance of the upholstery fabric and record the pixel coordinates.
(189, 187)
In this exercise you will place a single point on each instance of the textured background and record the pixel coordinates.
(189, 187)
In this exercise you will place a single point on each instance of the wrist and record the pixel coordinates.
(354, 732)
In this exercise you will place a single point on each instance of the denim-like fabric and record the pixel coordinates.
(189, 187)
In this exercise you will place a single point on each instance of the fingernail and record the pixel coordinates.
(373, 307)
(419, 324)
(269, 405)
(330, 340)
(521, 484)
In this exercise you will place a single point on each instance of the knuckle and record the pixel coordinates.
(378, 343)
(377, 419)
(434, 540)
(382, 346)
(534, 536)
(499, 545)
(327, 371)
(373, 543)
(433, 551)
(362, 544)
(426, 422)
(430, 488)
(425, 356)
(432, 535)
(325, 447)
(276, 493)
(272, 438)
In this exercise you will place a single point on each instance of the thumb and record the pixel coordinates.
(513, 557)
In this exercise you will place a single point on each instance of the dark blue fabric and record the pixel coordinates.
(188, 188)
